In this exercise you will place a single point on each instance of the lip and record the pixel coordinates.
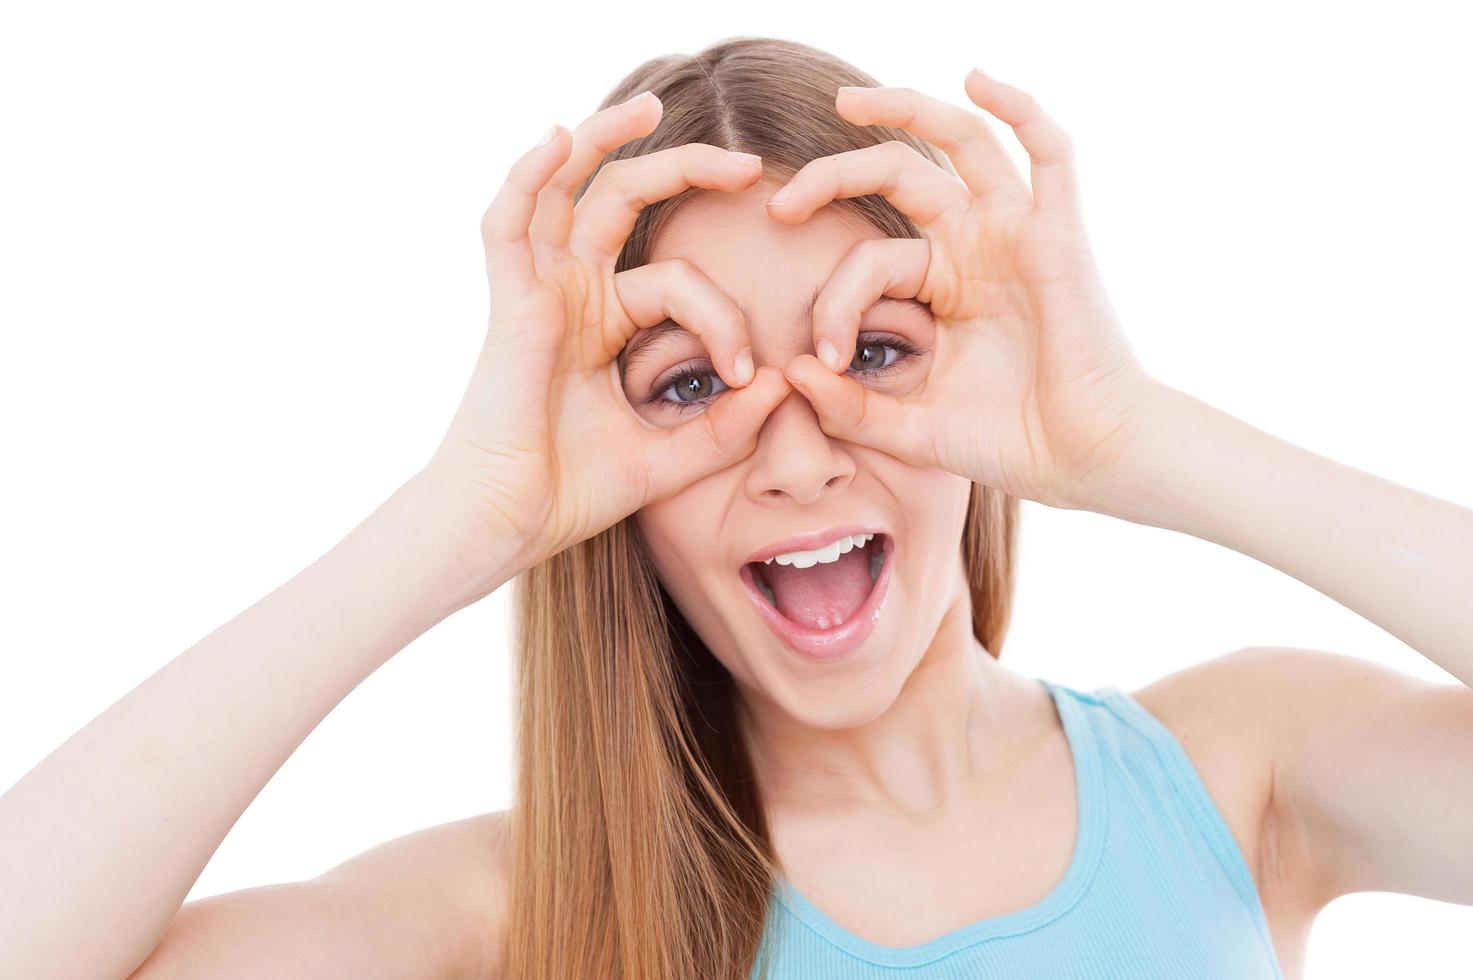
(831, 644)
(812, 540)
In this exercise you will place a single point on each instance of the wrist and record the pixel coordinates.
(467, 556)
(1148, 481)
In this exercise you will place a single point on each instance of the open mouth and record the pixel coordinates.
(823, 595)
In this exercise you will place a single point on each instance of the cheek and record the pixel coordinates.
(659, 527)
(683, 537)
(931, 499)
(685, 557)
(953, 495)
(933, 525)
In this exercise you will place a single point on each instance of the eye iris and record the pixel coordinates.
(694, 384)
(867, 354)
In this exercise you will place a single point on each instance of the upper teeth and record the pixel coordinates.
(829, 552)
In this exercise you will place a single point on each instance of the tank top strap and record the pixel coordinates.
(1091, 834)
(1156, 887)
(1189, 791)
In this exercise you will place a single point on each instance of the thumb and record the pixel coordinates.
(723, 434)
(848, 410)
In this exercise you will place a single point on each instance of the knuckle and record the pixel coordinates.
(870, 251)
(1057, 147)
(824, 310)
(971, 128)
(611, 173)
(683, 272)
(617, 168)
(631, 198)
(897, 148)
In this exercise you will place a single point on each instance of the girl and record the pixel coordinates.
(773, 354)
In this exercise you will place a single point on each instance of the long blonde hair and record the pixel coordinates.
(639, 845)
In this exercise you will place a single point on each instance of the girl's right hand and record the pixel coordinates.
(545, 449)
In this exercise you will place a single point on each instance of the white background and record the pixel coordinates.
(241, 288)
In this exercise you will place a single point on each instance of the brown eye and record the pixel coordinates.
(686, 387)
(870, 354)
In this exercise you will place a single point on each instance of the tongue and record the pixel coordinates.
(821, 596)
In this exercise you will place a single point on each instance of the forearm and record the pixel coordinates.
(101, 841)
(1398, 557)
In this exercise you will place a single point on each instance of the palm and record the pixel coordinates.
(592, 432)
(1028, 339)
(542, 411)
(545, 450)
(1033, 387)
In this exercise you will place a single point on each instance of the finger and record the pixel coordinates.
(895, 169)
(1051, 150)
(676, 290)
(970, 144)
(723, 434)
(510, 265)
(855, 413)
(871, 269)
(593, 139)
(606, 213)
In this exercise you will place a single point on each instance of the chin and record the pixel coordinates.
(834, 704)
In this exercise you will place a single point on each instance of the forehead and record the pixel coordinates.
(772, 271)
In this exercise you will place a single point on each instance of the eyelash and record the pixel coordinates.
(686, 372)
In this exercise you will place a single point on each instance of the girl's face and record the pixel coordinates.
(798, 481)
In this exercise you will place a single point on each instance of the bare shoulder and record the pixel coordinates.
(1227, 713)
(431, 903)
(1335, 772)
(459, 871)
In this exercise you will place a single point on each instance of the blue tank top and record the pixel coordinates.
(1156, 889)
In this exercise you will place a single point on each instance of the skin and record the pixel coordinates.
(1033, 388)
(1335, 775)
(826, 735)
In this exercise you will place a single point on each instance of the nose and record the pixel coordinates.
(795, 460)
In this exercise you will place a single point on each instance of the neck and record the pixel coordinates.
(942, 732)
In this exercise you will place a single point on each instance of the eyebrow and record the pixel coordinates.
(642, 341)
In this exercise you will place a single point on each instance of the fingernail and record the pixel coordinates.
(781, 195)
(548, 138)
(646, 94)
(851, 88)
(828, 353)
(744, 370)
(746, 159)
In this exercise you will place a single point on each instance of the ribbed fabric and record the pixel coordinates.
(1156, 887)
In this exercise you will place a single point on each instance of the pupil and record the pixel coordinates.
(693, 385)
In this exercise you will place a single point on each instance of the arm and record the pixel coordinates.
(101, 841)
(1035, 391)
(1398, 557)
(430, 904)
(1372, 770)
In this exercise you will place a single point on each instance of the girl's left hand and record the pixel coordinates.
(1033, 388)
